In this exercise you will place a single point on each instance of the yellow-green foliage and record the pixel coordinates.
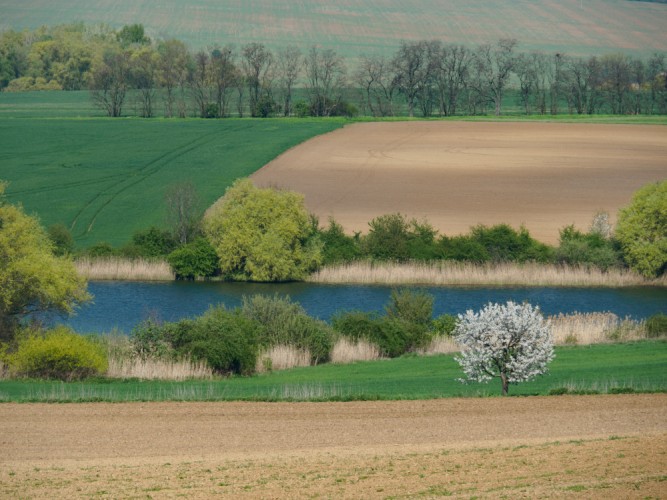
(642, 230)
(263, 234)
(32, 278)
(58, 354)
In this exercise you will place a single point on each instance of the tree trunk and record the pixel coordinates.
(506, 384)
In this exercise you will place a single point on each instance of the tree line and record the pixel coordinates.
(422, 78)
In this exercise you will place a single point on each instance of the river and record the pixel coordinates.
(121, 305)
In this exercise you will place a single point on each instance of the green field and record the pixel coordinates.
(640, 366)
(576, 27)
(106, 178)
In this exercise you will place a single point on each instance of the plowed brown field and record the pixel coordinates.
(459, 174)
(599, 446)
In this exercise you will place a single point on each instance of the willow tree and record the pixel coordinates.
(32, 278)
(263, 234)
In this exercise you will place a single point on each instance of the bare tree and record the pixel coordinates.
(325, 80)
(556, 76)
(657, 76)
(257, 63)
(450, 68)
(199, 82)
(223, 76)
(526, 71)
(289, 62)
(585, 82)
(411, 68)
(172, 71)
(183, 212)
(376, 82)
(616, 81)
(143, 71)
(110, 81)
(493, 66)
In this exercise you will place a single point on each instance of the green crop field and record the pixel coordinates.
(107, 178)
(638, 366)
(576, 27)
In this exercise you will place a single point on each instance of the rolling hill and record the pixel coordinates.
(353, 27)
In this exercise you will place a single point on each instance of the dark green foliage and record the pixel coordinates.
(58, 354)
(393, 336)
(463, 248)
(338, 247)
(61, 237)
(284, 322)
(226, 340)
(422, 241)
(444, 325)
(577, 248)
(265, 107)
(153, 242)
(194, 260)
(152, 339)
(656, 325)
(101, 249)
(411, 306)
(132, 34)
(387, 238)
(504, 244)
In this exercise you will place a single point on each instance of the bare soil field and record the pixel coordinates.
(459, 174)
(594, 447)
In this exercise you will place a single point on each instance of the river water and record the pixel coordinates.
(121, 305)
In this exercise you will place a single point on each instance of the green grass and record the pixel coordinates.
(106, 178)
(361, 26)
(632, 367)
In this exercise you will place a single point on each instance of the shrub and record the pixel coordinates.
(152, 339)
(286, 323)
(194, 260)
(101, 249)
(153, 242)
(388, 238)
(504, 244)
(411, 306)
(226, 340)
(61, 237)
(444, 324)
(421, 241)
(58, 354)
(463, 248)
(656, 325)
(577, 248)
(338, 247)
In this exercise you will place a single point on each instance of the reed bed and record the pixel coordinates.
(281, 357)
(595, 328)
(117, 268)
(461, 273)
(158, 369)
(346, 351)
(440, 345)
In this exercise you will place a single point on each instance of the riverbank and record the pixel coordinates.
(437, 273)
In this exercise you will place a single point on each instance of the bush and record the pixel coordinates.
(338, 247)
(463, 248)
(411, 306)
(58, 354)
(153, 242)
(444, 324)
(577, 248)
(388, 238)
(504, 244)
(101, 249)
(656, 325)
(226, 340)
(61, 237)
(284, 322)
(152, 339)
(393, 336)
(194, 260)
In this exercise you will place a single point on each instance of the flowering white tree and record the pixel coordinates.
(511, 342)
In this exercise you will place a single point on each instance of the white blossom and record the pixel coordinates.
(511, 342)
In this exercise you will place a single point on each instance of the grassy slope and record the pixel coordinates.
(639, 365)
(358, 26)
(107, 178)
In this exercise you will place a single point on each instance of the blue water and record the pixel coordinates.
(121, 305)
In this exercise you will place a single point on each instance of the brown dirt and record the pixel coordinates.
(598, 446)
(459, 174)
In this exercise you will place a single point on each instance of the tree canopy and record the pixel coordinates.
(642, 230)
(32, 278)
(263, 234)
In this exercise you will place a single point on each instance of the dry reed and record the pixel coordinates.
(594, 328)
(345, 351)
(116, 268)
(281, 357)
(440, 345)
(457, 273)
(158, 369)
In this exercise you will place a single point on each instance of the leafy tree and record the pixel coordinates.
(133, 34)
(592, 248)
(511, 342)
(388, 238)
(642, 230)
(412, 306)
(197, 259)
(61, 237)
(32, 278)
(338, 247)
(263, 234)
